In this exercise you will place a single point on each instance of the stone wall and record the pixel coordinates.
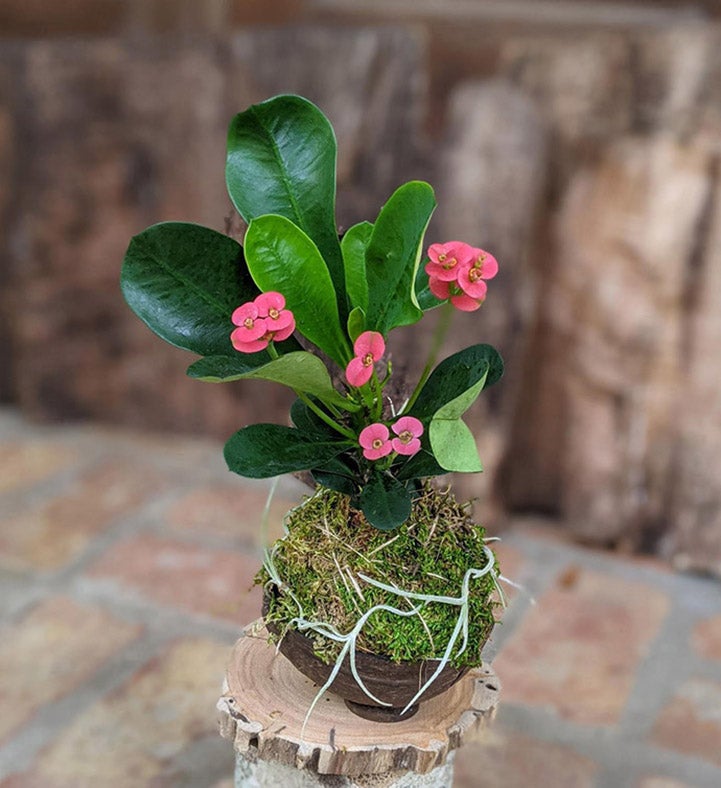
(588, 162)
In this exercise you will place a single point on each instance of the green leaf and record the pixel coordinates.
(282, 257)
(309, 423)
(264, 450)
(356, 323)
(334, 481)
(393, 255)
(454, 446)
(337, 475)
(282, 160)
(184, 281)
(419, 466)
(354, 245)
(300, 371)
(385, 502)
(451, 441)
(455, 375)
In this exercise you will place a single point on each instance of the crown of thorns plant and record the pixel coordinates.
(300, 306)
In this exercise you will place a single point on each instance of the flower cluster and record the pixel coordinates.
(376, 442)
(260, 322)
(458, 271)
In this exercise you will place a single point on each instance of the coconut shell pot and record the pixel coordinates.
(394, 682)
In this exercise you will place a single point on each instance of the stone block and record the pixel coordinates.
(597, 420)
(145, 728)
(661, 782)
(691, 721)
(49, 652)
(577, 651)
(506, 759)
(183, 575)
(29, 462)
(233, 511)
(707, 638)
(50, 534)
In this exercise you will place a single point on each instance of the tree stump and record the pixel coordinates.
(264, 703)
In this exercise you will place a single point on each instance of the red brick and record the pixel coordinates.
(24, 464)
(50, 535)
(707, 638)
(505, 759)
(51, 652)
(230, 510)
(577, 651)
(691, 722)
(136, 737)
(209, 582)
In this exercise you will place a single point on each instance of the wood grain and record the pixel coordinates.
(265, 701)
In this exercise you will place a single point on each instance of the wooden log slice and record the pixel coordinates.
(265, 701)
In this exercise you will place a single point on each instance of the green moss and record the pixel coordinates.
(328, 542)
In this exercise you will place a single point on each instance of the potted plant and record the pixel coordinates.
(383, 587)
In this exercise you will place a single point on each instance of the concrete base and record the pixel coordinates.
(253, 772)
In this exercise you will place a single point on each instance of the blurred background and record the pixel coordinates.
(578, 141)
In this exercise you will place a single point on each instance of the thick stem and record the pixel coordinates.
(321, 414)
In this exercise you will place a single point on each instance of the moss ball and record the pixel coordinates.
(329, 544)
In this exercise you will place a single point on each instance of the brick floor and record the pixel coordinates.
(217, 583)
(707, 638)
(126, 563)
(589, 619)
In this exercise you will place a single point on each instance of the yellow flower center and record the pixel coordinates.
(367, 360)
(248, 322)
(475, 274)
(377, 443)
(405, 436)
(273, 313)
(449, 263)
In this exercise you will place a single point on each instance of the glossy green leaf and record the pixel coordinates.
(300, 371)
(454, 445)
(356, 323)
(184, 281)
(282, 160)
(309, 423)
(455, 375)
(420, 466)
(385, 502)
(281, 257)
(264, 450)
(393, 256)
(354, 245)
(338, 475)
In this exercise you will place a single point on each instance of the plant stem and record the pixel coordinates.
(439, 335)
(319, 412)
(379, 396)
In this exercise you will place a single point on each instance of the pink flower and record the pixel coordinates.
(260, 322)
(471, 275)
(446, 259)
(459, 299)
(368, 348)
(278, 319)
(374, 440)
(409, 430)
(247, 338)
(467, 289)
